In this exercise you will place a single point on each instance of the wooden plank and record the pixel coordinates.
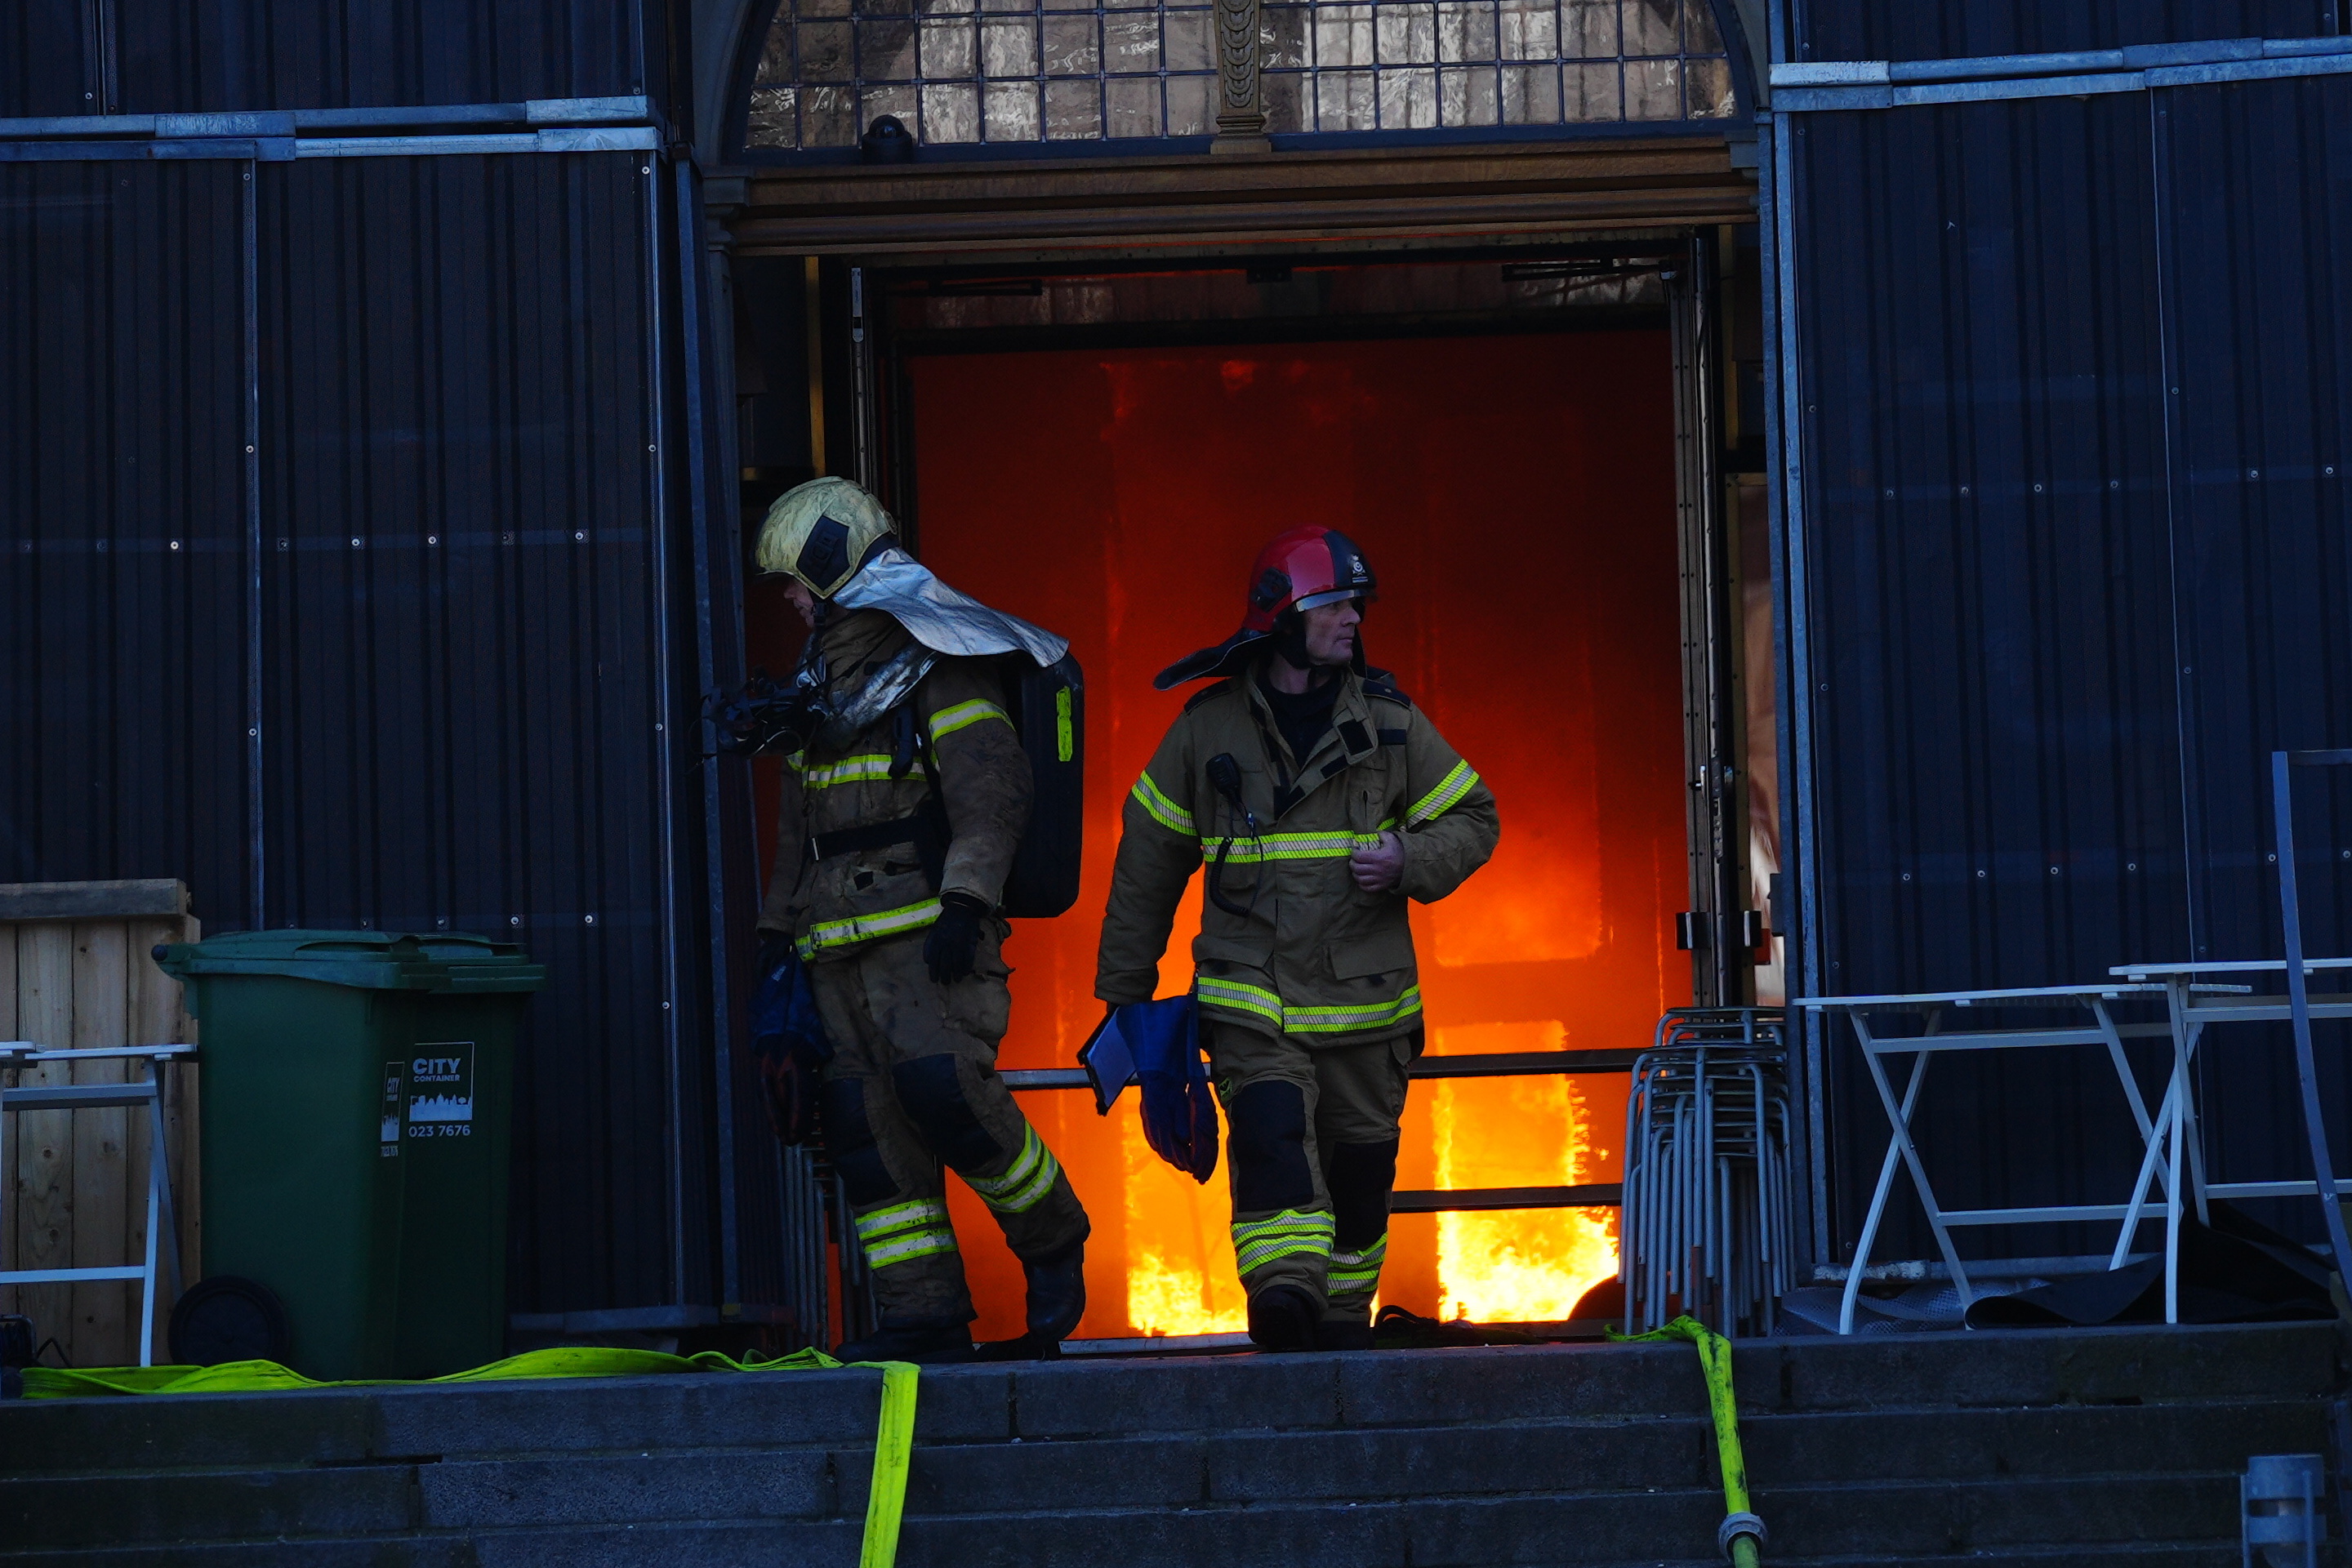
(43, 1141)
(181, 1126)
(92, 900)
(103, 1313)
(157, 1018)
(8, 1226)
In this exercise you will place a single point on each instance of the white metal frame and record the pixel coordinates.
(161, 1228)
(2159, 1163)
(2195, 1005)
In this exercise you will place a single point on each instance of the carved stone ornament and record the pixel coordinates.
(1240, 111)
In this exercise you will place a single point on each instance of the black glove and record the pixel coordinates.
(773, 945)
(955, 938)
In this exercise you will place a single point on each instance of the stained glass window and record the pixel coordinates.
(969, 72)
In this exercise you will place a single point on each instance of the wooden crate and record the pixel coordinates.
(77, 972)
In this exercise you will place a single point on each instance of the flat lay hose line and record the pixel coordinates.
(1741, 1536)
(894, 1440)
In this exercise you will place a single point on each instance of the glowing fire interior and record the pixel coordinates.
(1516, 496)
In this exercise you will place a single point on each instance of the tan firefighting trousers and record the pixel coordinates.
(1311, 1154)
(912, 1088)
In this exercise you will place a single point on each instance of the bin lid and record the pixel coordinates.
(371, 960)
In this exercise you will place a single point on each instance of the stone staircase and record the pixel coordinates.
(2091, 1445)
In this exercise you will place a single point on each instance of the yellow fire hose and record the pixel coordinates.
(1741, 1535)
(894, 1438)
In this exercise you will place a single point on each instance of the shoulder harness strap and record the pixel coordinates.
(1379, 683)
(1215, 688)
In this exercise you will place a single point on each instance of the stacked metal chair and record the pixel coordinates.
(1706, 1227)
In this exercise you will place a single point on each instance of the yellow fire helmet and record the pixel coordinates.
(822, 532)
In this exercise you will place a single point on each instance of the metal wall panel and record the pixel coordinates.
(463, 635)
(122, 526)
(1877, 30)
(41, 58)
(172, 57)
(1996, 748)
(2257, 187)
(2074, 393)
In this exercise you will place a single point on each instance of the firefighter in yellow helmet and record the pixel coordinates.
(899, 825)
(1321, 800)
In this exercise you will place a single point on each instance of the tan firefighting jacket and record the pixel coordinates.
(1315, 956)
(834, 904)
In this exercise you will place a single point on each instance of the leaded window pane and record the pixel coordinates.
(964, 72)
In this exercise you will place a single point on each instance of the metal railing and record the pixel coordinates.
(1496, 1064)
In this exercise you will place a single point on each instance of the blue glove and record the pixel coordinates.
(788, 1043)
(1180, 1110)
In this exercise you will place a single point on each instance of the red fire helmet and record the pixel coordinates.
(1298, 570)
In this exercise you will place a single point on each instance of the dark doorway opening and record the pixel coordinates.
(1513, 442)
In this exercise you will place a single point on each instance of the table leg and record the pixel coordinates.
(2147, 1166)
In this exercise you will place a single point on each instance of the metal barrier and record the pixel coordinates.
(1707, 1229)
(855, 1279)
(1424, 1200)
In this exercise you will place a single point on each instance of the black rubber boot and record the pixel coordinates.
(1057, 1300)
(930, 1344)
(1341, 1334)
(1282, 1318)
(1057, 1293)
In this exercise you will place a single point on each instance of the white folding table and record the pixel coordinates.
(1976, 1012)
(161, 1232)
(2193, 1004)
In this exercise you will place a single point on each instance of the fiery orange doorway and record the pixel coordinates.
(1516, 495)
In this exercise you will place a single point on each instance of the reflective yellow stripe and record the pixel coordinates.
(904, 1231)
(908, 1248)
(1358, 1273)
(1241, 997)
(1165, 812)
(1295, 845)
(1340, 1020)
(948, 721)
(914, 1211)
(864, 928)
(1289, 1233)
(849, 769)
(1450, 790)
(1026, 1181)
(1256, 1000)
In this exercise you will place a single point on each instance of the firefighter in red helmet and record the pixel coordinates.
(1321, 800)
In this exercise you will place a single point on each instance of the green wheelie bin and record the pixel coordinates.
(357, 1092)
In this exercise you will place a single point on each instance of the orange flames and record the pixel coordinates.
(1511, 1265)
(1530, 605)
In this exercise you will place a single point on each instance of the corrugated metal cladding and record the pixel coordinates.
(1877, 30)
(460, 664)
(458, 380)
(122, 525)
(2060, 613)
(170, 57)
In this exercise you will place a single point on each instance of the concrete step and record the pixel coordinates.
(2111, 1519)
(1157, 1472)
(1877, 1450)
(1068, 1400)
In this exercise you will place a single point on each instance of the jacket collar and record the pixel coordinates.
(1348, 740)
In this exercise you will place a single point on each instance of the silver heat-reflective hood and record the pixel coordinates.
(940, 617)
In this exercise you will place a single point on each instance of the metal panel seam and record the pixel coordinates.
(690, 284)
(254, 785)
(2167, 358)
(1798, 710)
(666, 810)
